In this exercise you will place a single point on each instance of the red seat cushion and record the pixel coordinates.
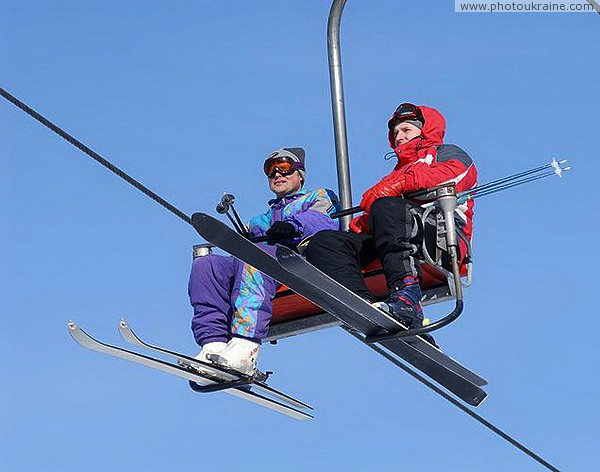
(288, 306)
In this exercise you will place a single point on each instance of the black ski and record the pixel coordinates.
(434, 362)
(129, 335)
(190, 374)
(323, 290)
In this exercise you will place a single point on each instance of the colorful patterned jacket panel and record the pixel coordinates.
(308, 211)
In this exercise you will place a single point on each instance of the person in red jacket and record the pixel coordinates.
(388, 228)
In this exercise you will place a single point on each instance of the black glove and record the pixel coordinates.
(282, 230)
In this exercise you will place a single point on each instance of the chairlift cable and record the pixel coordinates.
(94, 155)
(410, 371)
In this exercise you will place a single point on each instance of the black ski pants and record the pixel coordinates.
(396, 238)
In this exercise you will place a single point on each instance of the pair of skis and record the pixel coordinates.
(363, 320)
(359, 317)
(202, 376)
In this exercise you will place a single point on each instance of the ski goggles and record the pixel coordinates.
(407, 111)
(281, 165)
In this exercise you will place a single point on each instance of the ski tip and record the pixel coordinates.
(478, 399)
(201, 223)
(71, 325)
(198, 217)
(123, 323)
(283, 253)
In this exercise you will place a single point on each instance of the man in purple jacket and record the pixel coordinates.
(233, 301)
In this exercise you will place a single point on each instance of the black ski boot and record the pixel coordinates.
(401, 307)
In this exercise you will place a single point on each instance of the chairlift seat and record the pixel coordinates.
(293, 314)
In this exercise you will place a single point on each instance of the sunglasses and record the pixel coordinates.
(408, 111)
(281, 165)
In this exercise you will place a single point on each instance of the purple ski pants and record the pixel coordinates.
(230, 298)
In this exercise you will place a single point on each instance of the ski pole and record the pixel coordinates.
(224, 207)
(356, 209)
(239, 221)
(476, 193)
(499, 182)
(226, 200)
(486, 189)
(225, 212)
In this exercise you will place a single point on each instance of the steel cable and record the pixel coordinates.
(94, 155)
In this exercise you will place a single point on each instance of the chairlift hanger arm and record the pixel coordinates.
(338, 107)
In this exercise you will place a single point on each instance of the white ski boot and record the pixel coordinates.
(239, 355)
(207, 350)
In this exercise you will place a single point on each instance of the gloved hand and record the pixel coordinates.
(390, 186)
(360, 224)
(282, 230)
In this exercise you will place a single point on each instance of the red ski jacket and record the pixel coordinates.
(424, 162)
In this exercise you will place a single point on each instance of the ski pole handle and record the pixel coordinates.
(226, 201)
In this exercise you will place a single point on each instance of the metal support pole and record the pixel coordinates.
(337, 103)
(446, 198)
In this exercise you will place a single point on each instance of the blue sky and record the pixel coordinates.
(189, 97)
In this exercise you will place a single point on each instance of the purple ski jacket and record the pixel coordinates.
(308, 212)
